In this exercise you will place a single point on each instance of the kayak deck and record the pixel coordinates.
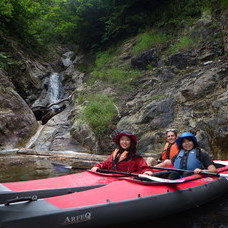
(71, 180)
(55, 186)
(128, 189)
(120, 191)
(120, 201)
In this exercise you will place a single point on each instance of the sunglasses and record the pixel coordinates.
(173, 130)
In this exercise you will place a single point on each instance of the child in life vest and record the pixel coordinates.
(190, 157)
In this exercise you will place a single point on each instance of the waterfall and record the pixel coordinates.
(55, 90)
(54, 136)
(52, 93)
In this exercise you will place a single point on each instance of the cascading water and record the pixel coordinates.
(55, 89)
(52, 93)
(54, 134)
(52, 90)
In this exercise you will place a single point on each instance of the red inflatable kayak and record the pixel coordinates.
(55, 186)
(122, 201)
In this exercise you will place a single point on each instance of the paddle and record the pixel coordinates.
(190, 171)
(225, 163)
(62, 167)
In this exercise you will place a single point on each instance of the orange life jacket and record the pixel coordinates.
(170, 150)
(123, 156)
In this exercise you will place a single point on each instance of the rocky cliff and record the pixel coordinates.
(17, 122)
(187, 90)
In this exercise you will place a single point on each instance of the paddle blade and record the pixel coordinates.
(221, 162)
(162, 180)
(64, 168)
(61, 168)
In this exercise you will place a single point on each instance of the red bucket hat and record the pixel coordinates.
(127, 133)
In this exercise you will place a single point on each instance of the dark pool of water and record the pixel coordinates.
(13, 168)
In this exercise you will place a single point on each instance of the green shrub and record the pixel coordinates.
(224, 3)
(6, 61)
(104, 58)
(99, 113)
(115, 75)
(183, 43)
(148, 39)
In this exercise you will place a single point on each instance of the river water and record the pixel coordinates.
(211, 215)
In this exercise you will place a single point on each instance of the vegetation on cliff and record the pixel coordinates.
(93, 23)
(125, 39)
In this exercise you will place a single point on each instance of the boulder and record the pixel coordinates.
(17, 122)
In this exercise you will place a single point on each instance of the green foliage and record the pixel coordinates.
(224, 3)
(6, 8)
(183, 43)
(93, 23)
(156, 97)
(176, 13)
(104, 58)
(116, 75)
(6, 61)
(99, 113)
(149, 39)
(108, 70)
(17, 17)
(82, 96)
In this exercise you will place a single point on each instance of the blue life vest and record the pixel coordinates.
(188, 160)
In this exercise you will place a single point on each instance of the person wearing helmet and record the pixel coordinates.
(190, 157)
(124, 158)
(170, 148)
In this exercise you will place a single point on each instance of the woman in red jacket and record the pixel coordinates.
(124, 157)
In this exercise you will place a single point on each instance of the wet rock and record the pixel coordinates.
(158, 113)
(143, 60)
(67, 58)
(182, 60)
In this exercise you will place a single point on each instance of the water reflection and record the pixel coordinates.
(13, 168)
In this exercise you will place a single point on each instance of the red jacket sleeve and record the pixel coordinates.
(142, 165)
(105, 164)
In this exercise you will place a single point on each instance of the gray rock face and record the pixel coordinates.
(187, 90)
(182, 60)
(144, 59)
(67, 58)
(17, 121)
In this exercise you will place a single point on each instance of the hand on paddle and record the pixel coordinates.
(94, 169)
(197, 171)
(149, 173)
(210, 168)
